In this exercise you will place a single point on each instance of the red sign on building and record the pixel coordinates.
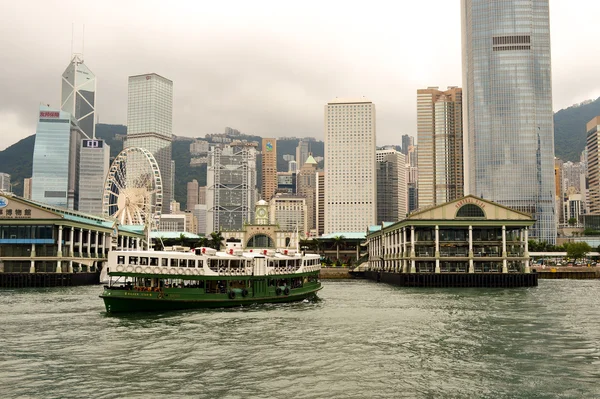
(49, 114)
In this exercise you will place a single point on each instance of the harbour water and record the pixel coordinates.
(360, 340)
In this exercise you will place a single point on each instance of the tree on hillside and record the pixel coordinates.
(577, 250)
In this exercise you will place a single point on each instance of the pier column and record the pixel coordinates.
(504, 261)
(59, 252)
(103, 245)
(96, 243)
(471, 266)
(81, 243)
(526, 254)
(413, 267)
(404, 261)
(71, 243)
(32, 265)
(89, 243)
(137, 243)
(60, 238)
(437, 249)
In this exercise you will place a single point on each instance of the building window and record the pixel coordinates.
(470, 211)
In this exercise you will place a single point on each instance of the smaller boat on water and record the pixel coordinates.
(206, 278)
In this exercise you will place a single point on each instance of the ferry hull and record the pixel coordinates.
(155, 302)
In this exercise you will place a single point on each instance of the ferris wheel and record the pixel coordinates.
(133, 188)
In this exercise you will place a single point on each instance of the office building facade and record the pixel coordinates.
(231, 181)
(27, 188)
(56, 155)
(306, 186)
(440, 136)
(150, 125)
(94, 163)
(5, 182)
(391, 186)
(508, 117)
(593, 165)
(351, 176)
(192, 194)
(269, 168)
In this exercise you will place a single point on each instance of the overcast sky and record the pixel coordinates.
(263, 67)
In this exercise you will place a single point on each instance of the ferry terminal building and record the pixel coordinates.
(39, 238)
(468, 235)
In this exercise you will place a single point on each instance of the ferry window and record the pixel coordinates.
(143, 261)
(173, 262)
(164, 262)
(133, 260)
(153, 261)
(191, 263)
(182, 262)
(235, 264)
(120, 260)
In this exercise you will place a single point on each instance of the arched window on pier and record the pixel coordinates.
(470, 211)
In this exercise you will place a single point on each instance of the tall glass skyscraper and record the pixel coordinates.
(150, 125)
(507, 97)
(55, 174)
(78, 96)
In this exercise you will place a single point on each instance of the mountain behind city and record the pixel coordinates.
(16, 160)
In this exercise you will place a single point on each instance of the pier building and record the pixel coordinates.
(43, 245)
(469, 235)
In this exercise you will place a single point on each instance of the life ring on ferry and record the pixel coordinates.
(195, 272)
(181, 270)
(172, 271)
(278, 291)
(147, 270)
(244, 293)
(231, 294)
(120, 268)
(188, 272)
(286, 291)
(138, 269)
(129, 269)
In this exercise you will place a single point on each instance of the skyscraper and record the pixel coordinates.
(306, 183)
(350, 167)
(320, 203)
(93, 167)
(407, 141)
(192, 194)
(440, 135)
(230, 181)
(55, 171)
(27, 188)
(269, 168)
(593, 165)
(302, 151)
(78, 95)
(507, 97)
(150, 124)
(5, 182)
(391, 186)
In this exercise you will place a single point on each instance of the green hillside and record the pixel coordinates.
(17, 159)
(570, 130)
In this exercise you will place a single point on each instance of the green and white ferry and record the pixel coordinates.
(206, 278)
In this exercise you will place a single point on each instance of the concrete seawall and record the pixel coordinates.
(566, 272)
(332, 273)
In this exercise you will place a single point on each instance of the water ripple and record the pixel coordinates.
(359, 340)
